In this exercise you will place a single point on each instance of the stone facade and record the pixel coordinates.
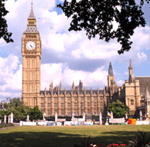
(65, 102)
(77, 100)
(31, 63)
(133, 93)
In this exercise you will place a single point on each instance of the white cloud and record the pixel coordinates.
(56, 38)
(3, 43)
(93, 50)
(5, 94)
(52, 73)
(120, 82)
(142, 57)
(141, 38)
(10, 81)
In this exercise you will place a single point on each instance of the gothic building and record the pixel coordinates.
(134, 93)
(77, 100)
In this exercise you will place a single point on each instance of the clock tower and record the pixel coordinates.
(31, 62)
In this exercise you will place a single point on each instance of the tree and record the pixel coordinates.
(15, 102)
(118, 108)
(36, 114)
(3, 24)
(96, 16)
(16, 106)
(18, 109)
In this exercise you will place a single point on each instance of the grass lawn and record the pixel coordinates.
(57, 136)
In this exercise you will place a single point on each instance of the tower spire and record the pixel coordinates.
(31, 16)
(73, 85)
(60, 86)
(31, 26)
(130, 66)
(131, 76)
(110, 70)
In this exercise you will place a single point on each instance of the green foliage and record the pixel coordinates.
(35, 114)
(3, 24)
(118, 108)
(15, 102)
(15, 106)
(18, 109)
(96, 17)
(84, 143)
(141, 140)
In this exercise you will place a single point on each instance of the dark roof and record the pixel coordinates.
(144, 81)
(69, 92)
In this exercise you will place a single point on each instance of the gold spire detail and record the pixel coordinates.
(31, 16)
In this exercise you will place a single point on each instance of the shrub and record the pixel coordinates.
(84, 143)
(141, 139)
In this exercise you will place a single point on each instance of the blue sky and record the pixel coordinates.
(67, 56)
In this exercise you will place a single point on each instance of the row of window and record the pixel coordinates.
(31, 36)
(49, 112)
(68, 104)
(68, 99)
(31, 23)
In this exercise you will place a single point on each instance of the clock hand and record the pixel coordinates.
(31, 46)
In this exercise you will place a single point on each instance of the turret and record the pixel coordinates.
(81, 85)
(91, 90)
(73, 85)
(112, 86)
(51, 87)
(45, 91)
(97, 90)
(65, 91)
(131, 76)
(84, 91)
(110, 70)
(110, 76)
(60, 87)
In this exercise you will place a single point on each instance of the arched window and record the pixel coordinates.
(132, 102)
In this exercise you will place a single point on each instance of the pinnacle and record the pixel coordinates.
(31, 16)
(130, 64)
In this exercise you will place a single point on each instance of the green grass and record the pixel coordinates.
(57, 136)
(6, 125)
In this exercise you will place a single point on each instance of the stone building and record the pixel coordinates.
(65, 102)
(134, 93)
(78, 100)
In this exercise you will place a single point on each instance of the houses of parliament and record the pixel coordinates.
(133, 93)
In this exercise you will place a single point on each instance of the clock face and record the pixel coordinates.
(30, 45)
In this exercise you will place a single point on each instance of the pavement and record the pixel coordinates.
(16, 124)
